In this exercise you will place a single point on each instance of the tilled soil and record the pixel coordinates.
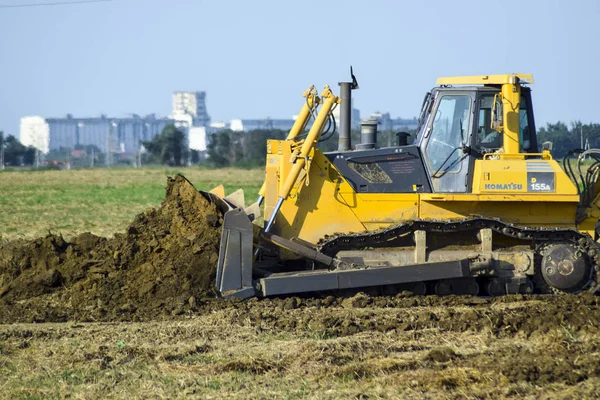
(162, 265)
(358, 347)
(502, 316)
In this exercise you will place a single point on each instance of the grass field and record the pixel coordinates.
(100, 201)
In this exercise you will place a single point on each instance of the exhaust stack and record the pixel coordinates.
(344, 139)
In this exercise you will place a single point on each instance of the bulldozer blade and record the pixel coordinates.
(237, 198)
(253, 211)
(219, 191)
(234, 200)
(234, 270)
(323, 280)
(222, 203)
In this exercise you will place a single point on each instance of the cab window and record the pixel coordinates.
(487, 137)
(525, 132)
(490, 139)
(448, 132)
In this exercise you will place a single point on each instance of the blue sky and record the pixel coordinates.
(255, 58)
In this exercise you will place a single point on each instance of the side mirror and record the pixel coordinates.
(497, 114)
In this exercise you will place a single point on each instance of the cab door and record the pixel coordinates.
(446, 142)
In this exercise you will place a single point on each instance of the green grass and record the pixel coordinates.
(101, 201)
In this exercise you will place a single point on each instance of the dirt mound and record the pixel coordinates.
(164, 264)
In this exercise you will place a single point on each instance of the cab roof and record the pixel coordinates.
(487, 79)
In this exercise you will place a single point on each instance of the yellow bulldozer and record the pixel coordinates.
(472, 206)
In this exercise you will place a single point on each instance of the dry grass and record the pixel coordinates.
(208, 356)
(99, 201)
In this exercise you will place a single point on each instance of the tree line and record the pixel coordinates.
(565, 138)
(13, 153)
(167, 148)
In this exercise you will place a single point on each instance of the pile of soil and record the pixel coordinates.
(163, 265)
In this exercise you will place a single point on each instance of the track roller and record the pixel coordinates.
(500, 287)
(416, 288)
(456, 286)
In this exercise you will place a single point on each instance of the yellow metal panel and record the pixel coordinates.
(379, 210)
(485, 79)
(285, 166)
(271, 185)
(518, 211)
(318, 209)
(521, 176)
(557, 198)
(500, 190)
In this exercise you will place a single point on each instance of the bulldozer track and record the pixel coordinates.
(538, 237)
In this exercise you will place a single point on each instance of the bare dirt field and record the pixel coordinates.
(134, 315)
(358, 347)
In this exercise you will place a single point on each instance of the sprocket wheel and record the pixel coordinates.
(565, 267)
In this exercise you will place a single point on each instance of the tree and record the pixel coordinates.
(243, 149)
(589, 134)
(168, 147)
(14, 153)
(254, 145)
(219, 147)
(559, 135)
(1, 150)
(564, 139)
(195, 156)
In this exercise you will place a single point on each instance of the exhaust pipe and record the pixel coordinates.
(344, 139)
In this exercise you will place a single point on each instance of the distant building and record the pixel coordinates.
(120, 135)
(386, 123)
(35, 132)
(197, 138)
(246, 125)
(190, 107)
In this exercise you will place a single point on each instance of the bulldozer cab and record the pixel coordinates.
(464, 123)
(464, 120)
